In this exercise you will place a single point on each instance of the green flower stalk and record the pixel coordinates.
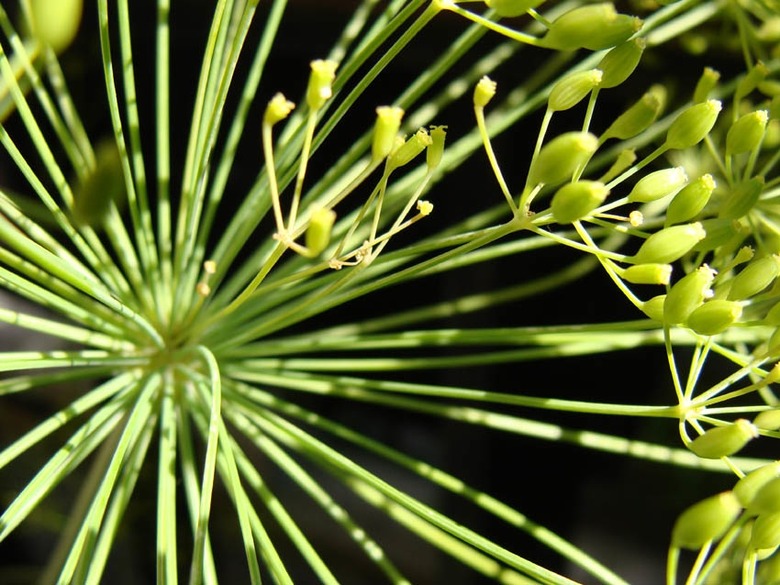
(511, 8)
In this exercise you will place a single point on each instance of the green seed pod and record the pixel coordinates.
(769, 571)
(751, 80)
(318, 231)
(707, 82)
(774, 108)
(765, 532)
(561, 157)
(747, 132)
(690, 201)
(669, 244)
(510, 8)
(768, 420)
(639, 116)
(56, 22)
(742, 198)
(484, 91)
(705, 521)
(619, 63)
(594, 27)
(748, 486)
(436, 149)
(755, 277)
(625, 159)
(720, 232)
(773, 344)
(648, 274)
(388, 123)
(94, 194)
(766, 499)
(688, 294)
(321, 78)
(723, 441)
(658, 184)
(574, 201)
(277, 109)
(654, 308)
(714, 316)
(773, 316)
(409, 150)
(692, 125)
(572, 89)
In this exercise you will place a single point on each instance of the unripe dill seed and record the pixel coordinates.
(741, 198)
(688, 294)
(714, 316)
(669, 244)
(690, 201)
(561, 157)
(594, 27)
(56, 22)
(747, 132)
(658, 184)
(749, 485)
(574, 201)
(705, 521)
(639, 116)
(692, 125)
(570, 90)
(723, 441)
(619, 63)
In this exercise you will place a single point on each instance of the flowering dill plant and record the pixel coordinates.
(205, 354)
